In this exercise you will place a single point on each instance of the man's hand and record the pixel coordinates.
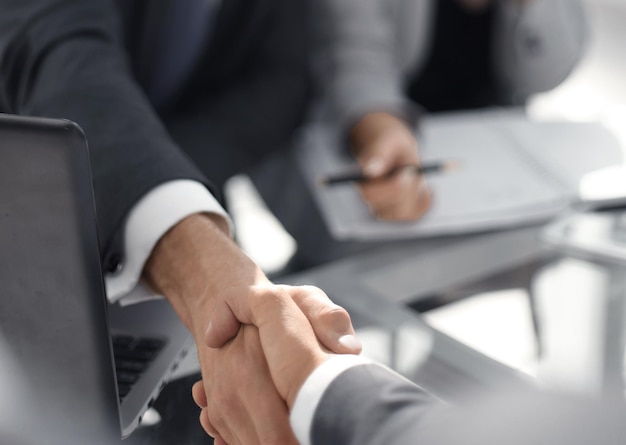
(193, 264)
(240, 404)
(289, 342)
(380, 142)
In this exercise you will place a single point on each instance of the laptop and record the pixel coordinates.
(92, 368)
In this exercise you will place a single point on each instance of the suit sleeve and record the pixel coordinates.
(357, 63)
(65, 59)
(536, 46)
(370, 404)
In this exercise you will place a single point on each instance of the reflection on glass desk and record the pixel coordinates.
(557, 318)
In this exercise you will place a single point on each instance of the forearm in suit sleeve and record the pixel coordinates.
(65, 59)
(370, 404)
(358, 63)
(536, 45)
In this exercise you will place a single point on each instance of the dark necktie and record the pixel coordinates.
(183, 36)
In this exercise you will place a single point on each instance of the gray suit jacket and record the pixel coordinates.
(371, 48)
(370, 405)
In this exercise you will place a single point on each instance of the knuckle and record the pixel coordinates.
(218, 398)
(216, 419)
(308, 295)
(315, 291)
(333, 312)
(208, 389)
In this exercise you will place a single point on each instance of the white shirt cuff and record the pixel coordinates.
(311, 393)
(157, 212)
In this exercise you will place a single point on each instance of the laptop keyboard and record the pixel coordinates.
(133, 355)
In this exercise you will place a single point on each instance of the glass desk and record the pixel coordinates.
(463, 315)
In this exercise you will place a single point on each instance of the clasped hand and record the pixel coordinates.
(263, 342)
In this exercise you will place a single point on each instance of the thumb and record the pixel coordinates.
(232, 308)
(331, 323)
(224, 323)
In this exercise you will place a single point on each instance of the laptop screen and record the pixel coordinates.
(52, 307)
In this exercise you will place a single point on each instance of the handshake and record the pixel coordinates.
(279, 366)
(262, 343)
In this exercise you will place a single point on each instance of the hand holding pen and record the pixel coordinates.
(383, 146)
(356, 174)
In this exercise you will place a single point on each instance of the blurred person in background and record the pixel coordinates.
(386, 61)
(380, 64)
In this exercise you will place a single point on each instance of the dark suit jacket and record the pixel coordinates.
(90, 60)
(370, 405)
(67, 59)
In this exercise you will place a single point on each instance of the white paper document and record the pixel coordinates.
(512, 172)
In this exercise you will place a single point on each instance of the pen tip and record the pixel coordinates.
(452, 165)
(321, 181)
